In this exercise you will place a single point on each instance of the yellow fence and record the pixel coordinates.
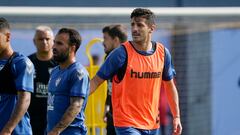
(95, 107)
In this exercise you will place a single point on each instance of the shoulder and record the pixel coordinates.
(21, 64)
(116, 57)
(159, 45)
(78, 68)
(78, 72)
(167, 53)
(118, 52)
(55, 69)
(32, 56)
(20, 59)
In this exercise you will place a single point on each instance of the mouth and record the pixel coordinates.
(135, 35)
(54, 52)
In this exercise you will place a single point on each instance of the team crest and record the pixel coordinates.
(57, 81)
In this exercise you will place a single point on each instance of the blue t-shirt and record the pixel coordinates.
(64, 84)
(118, 57)
(22, 69)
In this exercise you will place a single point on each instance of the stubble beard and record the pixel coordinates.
(62, 57)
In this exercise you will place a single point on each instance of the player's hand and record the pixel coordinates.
(177, 127)
(105, 118)
(106, 111)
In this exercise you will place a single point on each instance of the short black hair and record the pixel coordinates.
(117, 30)
(4, 24)
(106, 29)
(145, 13)
(74, 37)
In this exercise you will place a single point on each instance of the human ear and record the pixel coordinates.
(152, 27)
(8, 36)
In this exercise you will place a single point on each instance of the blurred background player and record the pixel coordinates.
(16, 85)
(113, 36)
(43, 63)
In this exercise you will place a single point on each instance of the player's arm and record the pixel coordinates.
(109, 68)
(94, 83)
(69, 115)
(169, 85)
(171, 92)
(22, 105)
(172, 96)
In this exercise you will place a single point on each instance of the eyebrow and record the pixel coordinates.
(58, 42)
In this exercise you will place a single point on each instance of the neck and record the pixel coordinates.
(143, 46)
(44, 56)
(116, 45)
(5, 54)
(68, 62)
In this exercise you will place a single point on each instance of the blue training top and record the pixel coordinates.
(22, 70)
(64, 84)
(118, 57)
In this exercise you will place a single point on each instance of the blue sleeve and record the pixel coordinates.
(113, 63)
(80, 83)
(24, 71)
(168, 70)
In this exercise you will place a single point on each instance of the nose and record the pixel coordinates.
(134, 28)
(54, 45)
(104, 44)
(45, 41)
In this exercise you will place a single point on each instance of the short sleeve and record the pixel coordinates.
(24, 71)
(168, 70)
(115, 60)
(80, 83)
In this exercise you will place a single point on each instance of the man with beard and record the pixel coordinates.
(113, 36)
(43, 63)
(138, 68)
(68, 87)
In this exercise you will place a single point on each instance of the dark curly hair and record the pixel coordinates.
(4, 24)
(117, 30)
(145, 13)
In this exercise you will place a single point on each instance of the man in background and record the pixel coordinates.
(43, 63)
(113, 36)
